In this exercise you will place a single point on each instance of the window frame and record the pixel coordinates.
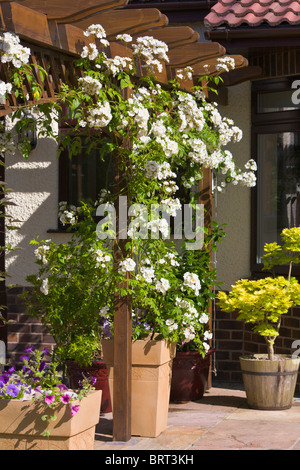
(268, 123)
(66, 127)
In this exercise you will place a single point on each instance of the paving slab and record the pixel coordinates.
(221, 420)
(238, 434)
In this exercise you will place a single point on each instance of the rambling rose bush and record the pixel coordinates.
(162, 139)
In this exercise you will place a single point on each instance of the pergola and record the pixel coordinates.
(54, 32)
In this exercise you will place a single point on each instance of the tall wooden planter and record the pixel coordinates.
(22, 427)
(269, 385)
(151, 381)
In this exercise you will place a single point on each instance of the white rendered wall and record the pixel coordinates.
(34, 184)
(233, 206)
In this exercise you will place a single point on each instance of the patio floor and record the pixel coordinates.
(221, 420)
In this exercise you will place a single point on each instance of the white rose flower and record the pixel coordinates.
(192, 280)
(44, 287)
(204, 318)
(127, 265)
(162, 285)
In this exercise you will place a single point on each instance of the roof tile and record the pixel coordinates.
(234, 13)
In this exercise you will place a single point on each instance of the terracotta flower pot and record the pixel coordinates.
(98, 370)
(151, 380)
(189, 376)
(269, 385)
(22, 427)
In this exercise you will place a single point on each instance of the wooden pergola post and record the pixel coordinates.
(206, 198)
(122, 336)
(122, 370)
(3, 326)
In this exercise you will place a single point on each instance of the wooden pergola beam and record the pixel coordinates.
(200, 69)
(68, 11)
(234, 77)
(126, 21)
(174, 36)
(191, 54)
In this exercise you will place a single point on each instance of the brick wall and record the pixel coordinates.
(24, 331)
(234, 338)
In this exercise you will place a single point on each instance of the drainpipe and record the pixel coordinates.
(180, 12)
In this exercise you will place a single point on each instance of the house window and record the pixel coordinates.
(84, 175)
(276, 144)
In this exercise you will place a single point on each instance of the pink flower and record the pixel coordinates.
(49, 399)
(74, 410)
(65, 398)
(62, 387)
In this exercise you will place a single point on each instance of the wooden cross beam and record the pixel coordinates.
(68, 11)
(126, 21)
(173, 36)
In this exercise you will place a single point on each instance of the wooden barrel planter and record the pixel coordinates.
(269, 385)
(189, 376)
(98, 370)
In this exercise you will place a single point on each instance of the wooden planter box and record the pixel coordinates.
(151, 381)
(21, 426)
(269, 385)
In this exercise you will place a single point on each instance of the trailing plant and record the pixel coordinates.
(39, 379)
(262, 302)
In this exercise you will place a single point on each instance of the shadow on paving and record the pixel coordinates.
(231, 397)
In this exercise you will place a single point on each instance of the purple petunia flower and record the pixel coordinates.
(4, 378)
(93, 380)
(62, 387)
(42, 366)
(29, 350)
(24, 358)
(12, 390)
(74, 409)
(106, 328)
(65, 398)
(49, 399)
(11, 370)
(46, 352)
